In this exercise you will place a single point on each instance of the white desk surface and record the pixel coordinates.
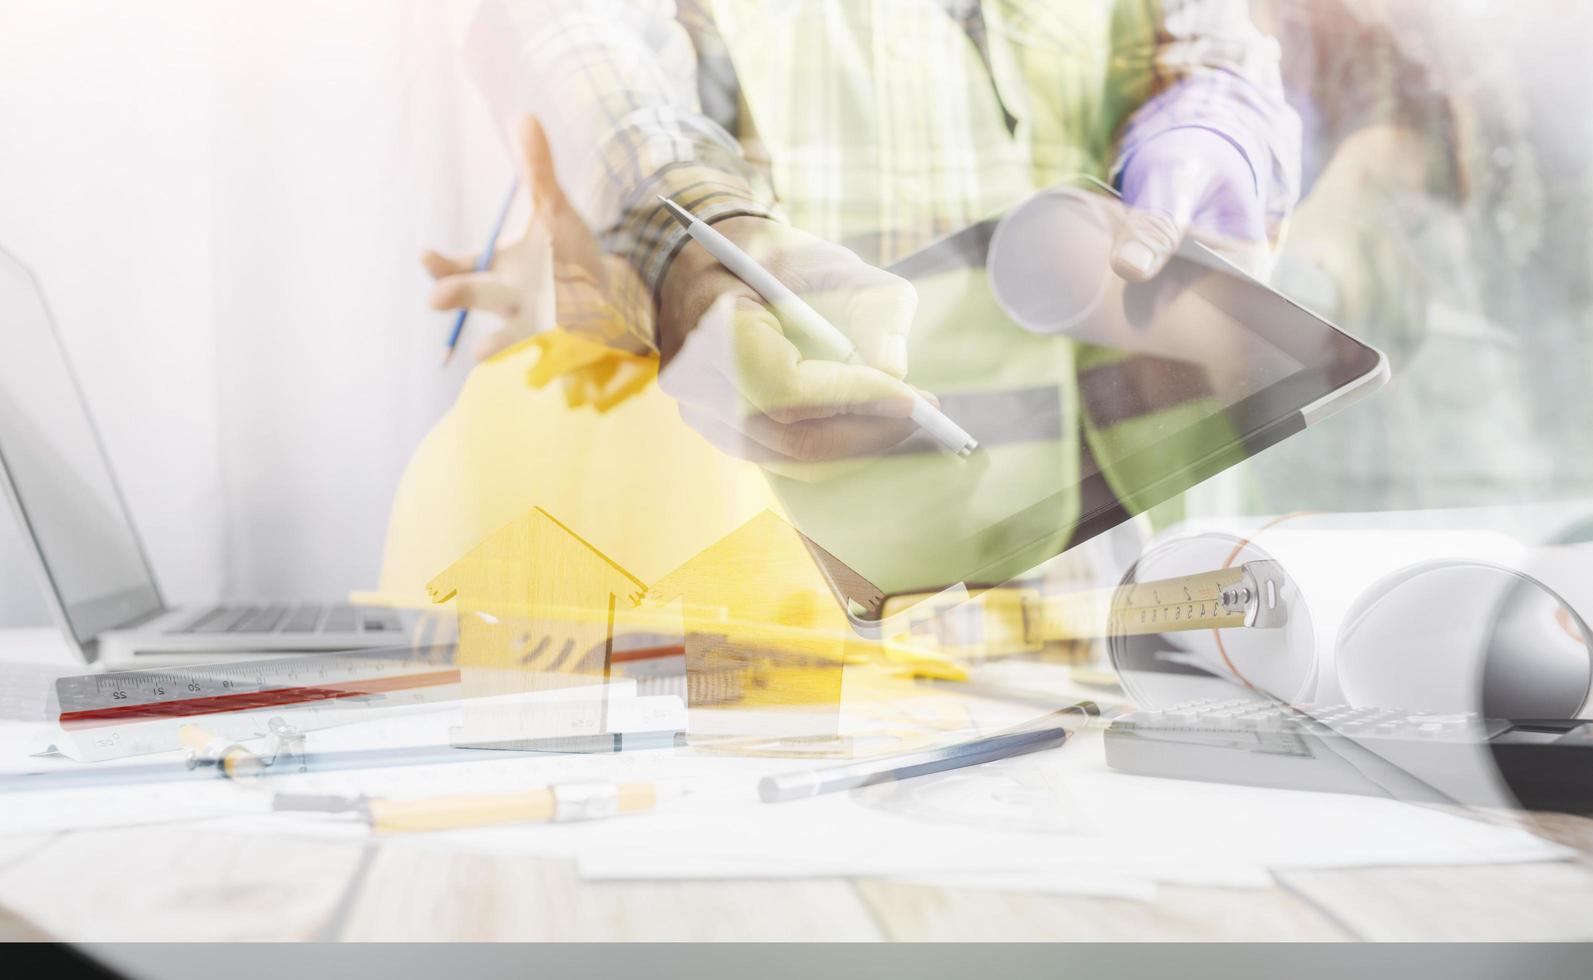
(186, 882)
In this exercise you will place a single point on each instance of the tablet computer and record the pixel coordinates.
(1092, 400)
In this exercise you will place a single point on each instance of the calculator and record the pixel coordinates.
(1536, 764)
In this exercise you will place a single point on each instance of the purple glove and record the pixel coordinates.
(1190, 178)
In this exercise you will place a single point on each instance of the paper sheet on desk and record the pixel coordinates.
(1133, 827)
(1083, 829)
(1117, 834)
(48, 810)
(724, 798)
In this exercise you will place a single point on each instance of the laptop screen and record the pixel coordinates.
(61, 482)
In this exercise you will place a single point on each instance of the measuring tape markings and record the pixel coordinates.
(1247, 595)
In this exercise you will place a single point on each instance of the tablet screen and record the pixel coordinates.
(1092, 400)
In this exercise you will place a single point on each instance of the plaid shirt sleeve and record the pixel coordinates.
(615, 84)
(1204, 63)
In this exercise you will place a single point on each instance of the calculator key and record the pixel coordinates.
(1446, 720)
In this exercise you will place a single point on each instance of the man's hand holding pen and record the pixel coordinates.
(754, 388)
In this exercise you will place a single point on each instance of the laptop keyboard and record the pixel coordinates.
(283, 618)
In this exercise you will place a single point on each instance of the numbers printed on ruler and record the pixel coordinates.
(142, 687)
(139, 711)
(232, 687)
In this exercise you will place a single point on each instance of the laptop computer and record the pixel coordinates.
(95, 572)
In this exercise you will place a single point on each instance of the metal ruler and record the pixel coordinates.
(134, 712)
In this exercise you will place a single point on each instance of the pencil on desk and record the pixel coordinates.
(559, 803)
(1043, 733)
(483, 263)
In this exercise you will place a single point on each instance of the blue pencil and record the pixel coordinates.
(483, 264)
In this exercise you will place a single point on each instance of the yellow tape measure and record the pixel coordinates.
(1019, 620)
(1248, 595)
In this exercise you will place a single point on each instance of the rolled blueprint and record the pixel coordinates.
(1479, 610)
(1457, 636)
(1443, 614)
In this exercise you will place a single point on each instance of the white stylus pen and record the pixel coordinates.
(819, 331)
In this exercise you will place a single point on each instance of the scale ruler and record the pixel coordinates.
(133, 712)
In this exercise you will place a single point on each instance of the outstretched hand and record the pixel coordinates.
(554, 274)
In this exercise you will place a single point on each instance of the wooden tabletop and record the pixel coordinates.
(176, 882)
